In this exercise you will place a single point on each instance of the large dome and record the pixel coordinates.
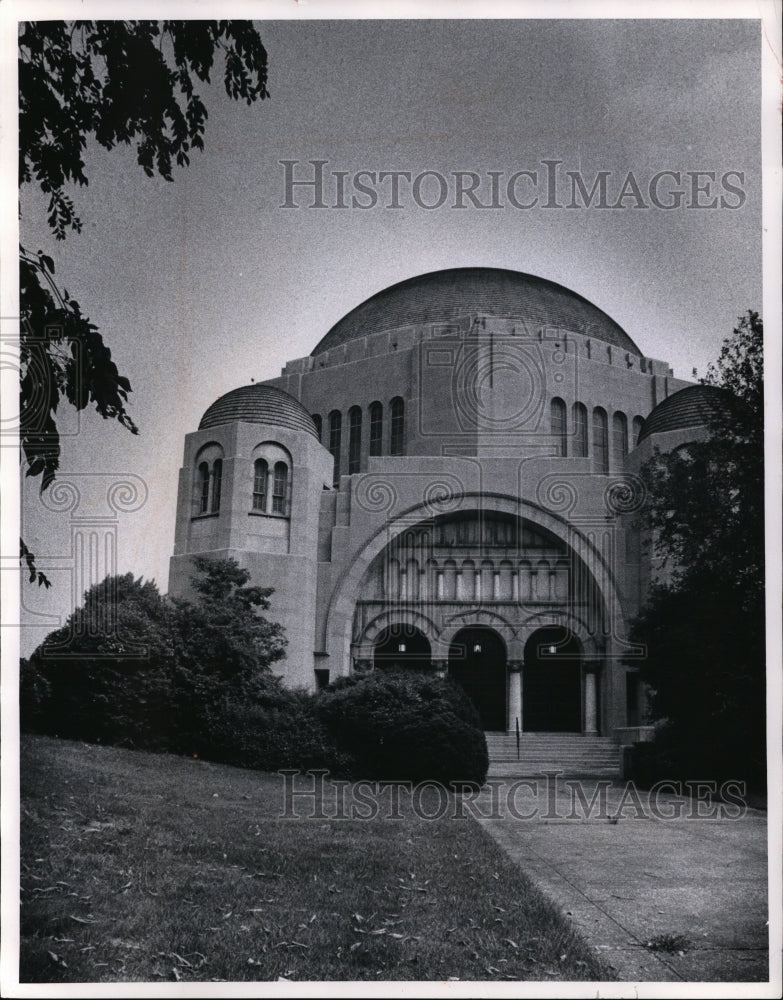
(693, 406)
(443, 296)
(259, 404)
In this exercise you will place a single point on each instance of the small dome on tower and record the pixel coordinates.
(259, 404)
(693, 406)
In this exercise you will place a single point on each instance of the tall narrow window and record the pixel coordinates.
(318, 424)
(397, 439)
(354, 439)
(558, 425)
(280, 488)
(376, 429)
(600, 440)
(203, 488)
(580, 430)
(619, 438)
(260, 477)
(335, 434)
(217, 479)
(638, 423)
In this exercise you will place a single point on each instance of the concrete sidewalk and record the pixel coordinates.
(626, 879)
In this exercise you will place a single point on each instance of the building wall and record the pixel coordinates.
(478, 437)
(280, 551)
(485, 382)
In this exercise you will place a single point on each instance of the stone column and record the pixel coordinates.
(514, 695)
(441, 667)
(591, 700)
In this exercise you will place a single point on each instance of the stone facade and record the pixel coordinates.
(460, 494)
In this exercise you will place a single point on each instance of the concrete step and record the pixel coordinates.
(557, 759)
(525, 770)
(500, 735)
(571, 753)
(547, 754)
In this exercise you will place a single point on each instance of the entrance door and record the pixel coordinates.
(551, 683)
(477, 661)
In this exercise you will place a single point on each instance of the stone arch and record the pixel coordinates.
(401, 645)
(337, 628)
(578, 626)
(363, 648)
(480, 617)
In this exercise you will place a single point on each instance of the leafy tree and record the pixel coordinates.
(221, 635)
(130, 666)
(704, 629)
(706, 501)
(224, 648)
(106, 675)
(130, 83)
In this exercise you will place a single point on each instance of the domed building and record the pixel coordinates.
(450, 481)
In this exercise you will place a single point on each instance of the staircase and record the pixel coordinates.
(573, 754)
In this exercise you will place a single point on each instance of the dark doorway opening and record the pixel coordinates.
(552, 682)
(402, 646)
(477, 661)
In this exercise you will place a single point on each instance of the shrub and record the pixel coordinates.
(402, 725)
(272, 729)
(116, 702)
(34, 694)
(104, 676)
(704, 754)
(133, 668)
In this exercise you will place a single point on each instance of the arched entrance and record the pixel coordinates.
(402, 645)
(552, 682)
(477, 661)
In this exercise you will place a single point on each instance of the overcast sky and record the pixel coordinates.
(201, 285)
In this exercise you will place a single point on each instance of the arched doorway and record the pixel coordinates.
(402, 645)
(477, 661)
(552, 682)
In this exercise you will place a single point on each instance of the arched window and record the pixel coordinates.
(271, 479)
(206, 487)
(619, 438)
(638, 423)
(376, 429)
(280, 488)
(397, 439)
(558, 425)
(260, 479)
(354, 439)
(217, 479)
(203, 488)
(580, 430)
(318, 424)
(335, 435)
(600, 440)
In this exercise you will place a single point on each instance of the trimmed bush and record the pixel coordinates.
(404, 725)
(275, 728)
(120, 702)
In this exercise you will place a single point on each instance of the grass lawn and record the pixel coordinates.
(145, 867)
